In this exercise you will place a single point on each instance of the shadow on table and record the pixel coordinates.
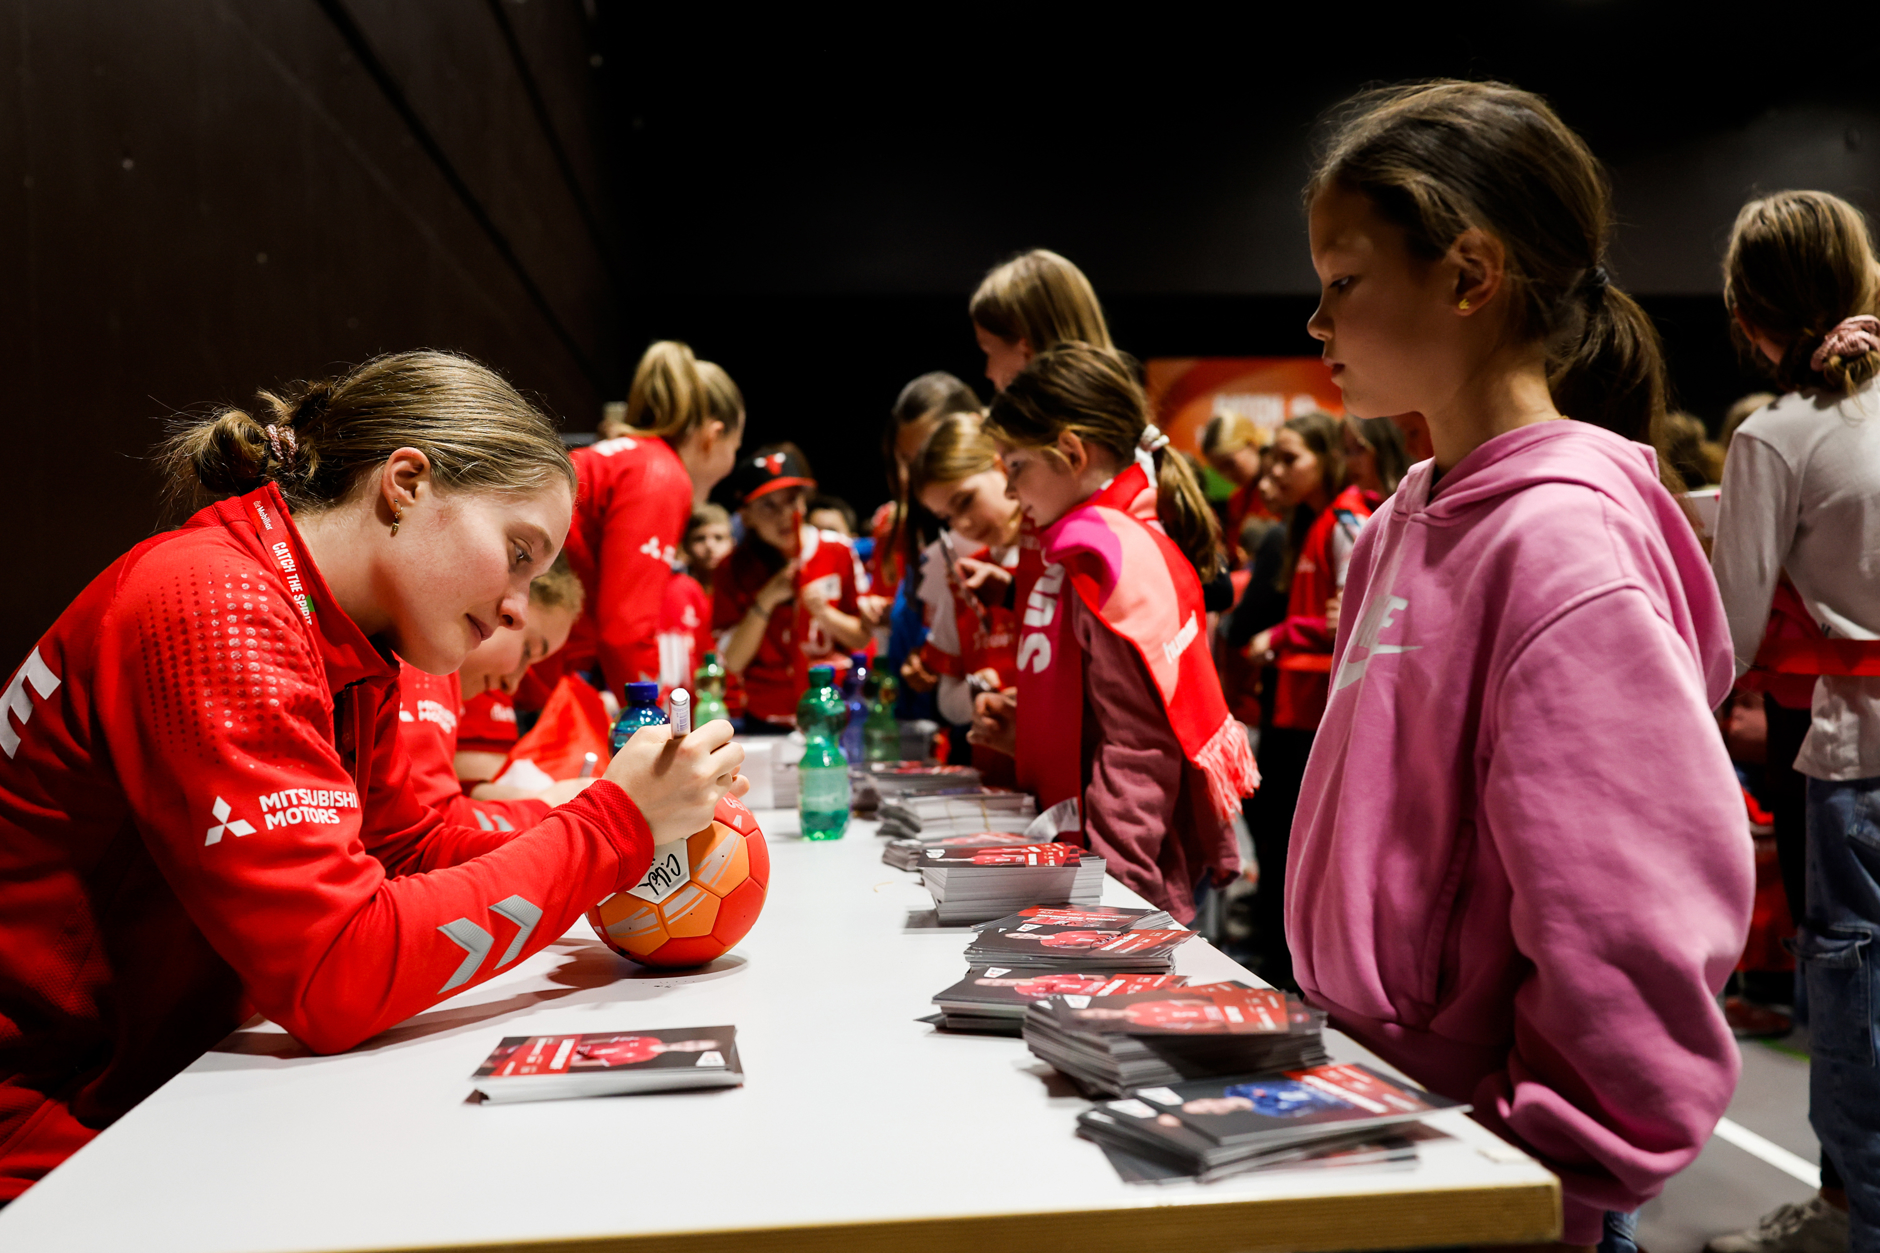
(589, 967)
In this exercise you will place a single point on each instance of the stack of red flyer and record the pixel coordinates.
(1208, 1129)
(556, 1067)
(976, 885)
(905, 854)
(956, 811)
(1110, 1045)
(993, 999)
(1103, 938)
(895, 779)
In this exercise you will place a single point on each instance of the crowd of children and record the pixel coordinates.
(1449, 662)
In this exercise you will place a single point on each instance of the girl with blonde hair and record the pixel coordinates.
(1029, 304)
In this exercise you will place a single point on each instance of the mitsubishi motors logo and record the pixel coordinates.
(238, 827)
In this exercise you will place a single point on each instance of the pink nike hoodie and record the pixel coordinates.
(1520, 865)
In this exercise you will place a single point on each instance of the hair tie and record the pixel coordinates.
(277, 434)
(1595, 284)
(1152, 439)
(1852, 337)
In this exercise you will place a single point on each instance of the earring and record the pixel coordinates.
(1463, 304)
(398, 515)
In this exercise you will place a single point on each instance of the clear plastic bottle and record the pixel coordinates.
(856, 706)
(823, 775)
(881, 733)
(708, 692)
(642, 710)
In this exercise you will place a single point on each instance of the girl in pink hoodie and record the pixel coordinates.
(1524, 901)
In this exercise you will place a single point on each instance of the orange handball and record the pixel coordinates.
(699, 898)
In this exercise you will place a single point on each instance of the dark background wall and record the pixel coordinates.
(198, 197)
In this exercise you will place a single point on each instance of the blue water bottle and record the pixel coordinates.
(642, 710)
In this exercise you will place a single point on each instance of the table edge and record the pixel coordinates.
(1524, 1212)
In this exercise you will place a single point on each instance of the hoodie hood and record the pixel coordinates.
(1625, 474)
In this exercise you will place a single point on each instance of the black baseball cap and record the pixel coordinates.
(768, 470)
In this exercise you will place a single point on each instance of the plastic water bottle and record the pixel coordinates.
(823, 774)
(881, 733)
(857, 707)
(708, 692)
(642, 710)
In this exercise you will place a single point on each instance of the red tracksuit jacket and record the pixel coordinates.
(204, 811)
(430, 712)
(629, 517)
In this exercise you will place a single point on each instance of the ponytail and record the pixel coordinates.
(317, 441)
(1093, 393)
(1187, 517)
(673, 393)
(1614, 374)
(1800, 270)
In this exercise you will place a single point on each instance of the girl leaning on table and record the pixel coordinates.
(1522, 899)
(973, 645)
(204, 808)
(1117, 703)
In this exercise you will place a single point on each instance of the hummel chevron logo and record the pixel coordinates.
(238, 827)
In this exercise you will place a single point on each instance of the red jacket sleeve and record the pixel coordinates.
(640, 533)
(341, 918)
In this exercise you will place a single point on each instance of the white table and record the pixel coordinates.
(857, 1128)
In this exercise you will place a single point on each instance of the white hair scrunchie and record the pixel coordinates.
(1148, 444)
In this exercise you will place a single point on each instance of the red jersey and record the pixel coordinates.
(427, 730)
(205, 811)
(629, 515)
(487, 723)
(987, 634)
(793, 642)
(685, 632)
(1302, 643)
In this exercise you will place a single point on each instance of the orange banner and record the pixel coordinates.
(1187, 391)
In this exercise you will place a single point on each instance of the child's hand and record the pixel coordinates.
(917, 676)
(985, 578)
(1331, 612)
(1260, 648)
(874, 610)
(995, 722)
(781, 589)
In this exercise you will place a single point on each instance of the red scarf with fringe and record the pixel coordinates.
(1112, 553)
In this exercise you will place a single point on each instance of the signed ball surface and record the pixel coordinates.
(699, 898)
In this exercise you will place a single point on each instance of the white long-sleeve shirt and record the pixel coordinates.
(1801, 493)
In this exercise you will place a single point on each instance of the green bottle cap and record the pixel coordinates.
(822, 676)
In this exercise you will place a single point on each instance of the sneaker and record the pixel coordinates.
(1814, 1227)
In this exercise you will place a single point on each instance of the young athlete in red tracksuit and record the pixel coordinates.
(782, 562)
(678, 437)
(447, 764)
(1118, 703)
(427, 730)
(204, 807)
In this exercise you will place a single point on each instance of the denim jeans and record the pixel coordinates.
(1836, 946)
(1621, 1234)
